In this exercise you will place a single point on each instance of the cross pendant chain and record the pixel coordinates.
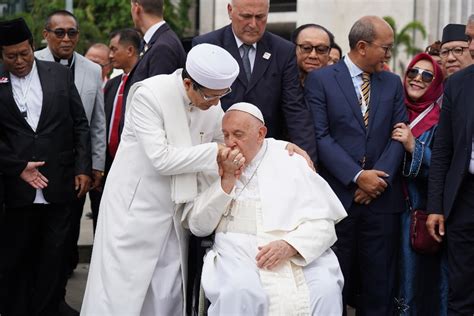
(227, 216)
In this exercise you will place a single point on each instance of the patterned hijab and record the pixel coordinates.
(432, 95)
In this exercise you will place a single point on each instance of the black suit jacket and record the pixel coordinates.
(165, 54)
(453, 142)
(274, 87)
(62, 138)
(110, 91)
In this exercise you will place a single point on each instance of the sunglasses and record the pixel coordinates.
(426, 76)
(60, 33)
(308, 49)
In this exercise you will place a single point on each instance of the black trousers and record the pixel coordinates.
(32, 251)
(367, 248)
(460, 247)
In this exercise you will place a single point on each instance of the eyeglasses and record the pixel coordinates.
(457, 51)
(308, 49)
(60, 33)
(426, 76)
(386, 48)
(210, 97)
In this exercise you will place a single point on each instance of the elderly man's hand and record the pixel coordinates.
(362, 197)
(231, 163)
(292, 148)
(274, 253)
(32, 176)
(97, 177)
(83, 184)
(435, 225)
(372, 182)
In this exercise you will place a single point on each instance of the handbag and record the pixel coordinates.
(421, 240)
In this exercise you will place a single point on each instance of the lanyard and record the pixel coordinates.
(424, 113)
(21, 99)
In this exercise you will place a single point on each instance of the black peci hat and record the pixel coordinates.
(454, 32)
(14, 32)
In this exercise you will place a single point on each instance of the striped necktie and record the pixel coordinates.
(365, 89)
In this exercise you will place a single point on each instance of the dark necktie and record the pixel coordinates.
(246, 61)
(365, 87)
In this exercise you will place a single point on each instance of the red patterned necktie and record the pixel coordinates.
(114, 131)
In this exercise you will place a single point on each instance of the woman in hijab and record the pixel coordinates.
(422, 288)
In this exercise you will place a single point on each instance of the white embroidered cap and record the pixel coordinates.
(248, 108)
(212, 66)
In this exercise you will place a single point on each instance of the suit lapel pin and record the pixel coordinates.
(266, 55)
(3, 79)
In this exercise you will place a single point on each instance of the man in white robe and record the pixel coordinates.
(139, 255)
(274, 225)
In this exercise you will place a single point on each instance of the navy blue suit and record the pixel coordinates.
(368, 236)
(164, 55)
(274, 87)
(451, 187)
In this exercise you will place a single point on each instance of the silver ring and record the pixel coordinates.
(235, 162)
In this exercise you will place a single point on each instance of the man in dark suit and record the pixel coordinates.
(451, 185)
(355, 105)
(268, 73)
(41, 119)
(124, 50)
(161, 51)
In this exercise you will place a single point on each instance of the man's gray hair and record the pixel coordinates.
(362, 30)
(470, 20)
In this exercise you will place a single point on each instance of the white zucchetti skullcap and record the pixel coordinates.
(247, 108)
(212, 66)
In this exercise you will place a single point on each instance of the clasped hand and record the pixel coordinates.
(231, 162)
(371, 185)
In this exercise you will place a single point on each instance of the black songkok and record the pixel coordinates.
(14, 32)
(454, 32)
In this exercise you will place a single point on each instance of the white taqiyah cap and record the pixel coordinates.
(212, 66)
(248, 108)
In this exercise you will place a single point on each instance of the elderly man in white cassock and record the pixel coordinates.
(274, 225)
(139, 256)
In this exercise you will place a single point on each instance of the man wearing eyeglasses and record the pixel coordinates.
(451, 183)
(61, 32)
(99, 54)
(454, 52)
(170, 133)
(356, 104)
(269, 73)
(313, 44)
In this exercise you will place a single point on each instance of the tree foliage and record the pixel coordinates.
(404, 38)
(97, 18)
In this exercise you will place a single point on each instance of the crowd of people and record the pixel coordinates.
(303, 169)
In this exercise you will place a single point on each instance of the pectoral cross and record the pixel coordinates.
(227, 216)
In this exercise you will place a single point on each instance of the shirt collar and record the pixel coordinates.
(354, 70)
(149, 33)
(239, 42)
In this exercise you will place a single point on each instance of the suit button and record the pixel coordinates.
(36, 136)
(34, 157)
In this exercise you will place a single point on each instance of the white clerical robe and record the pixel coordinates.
(139, 257)
(291, 203)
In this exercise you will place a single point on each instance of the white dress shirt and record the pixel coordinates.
(28, 96)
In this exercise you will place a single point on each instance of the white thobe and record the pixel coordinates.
(140, 249)
(305, 208)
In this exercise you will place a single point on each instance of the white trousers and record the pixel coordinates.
(165, 292)
(231, 279)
